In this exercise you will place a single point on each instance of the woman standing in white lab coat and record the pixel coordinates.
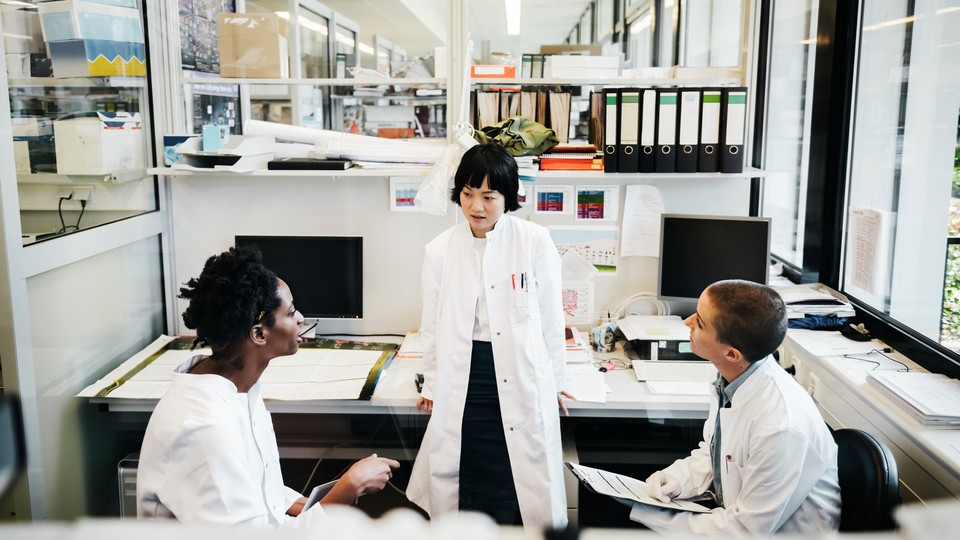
(493, 335)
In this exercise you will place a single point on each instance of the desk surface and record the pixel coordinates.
(396, 393)
(839, 386)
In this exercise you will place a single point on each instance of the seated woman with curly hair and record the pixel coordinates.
(209, 453)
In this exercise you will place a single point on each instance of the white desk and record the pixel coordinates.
(928, 459)
(396, 393)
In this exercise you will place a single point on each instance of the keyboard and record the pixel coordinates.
(665, 370)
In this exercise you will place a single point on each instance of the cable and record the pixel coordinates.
(83, 207)
(301, 334)
(361, 335)
(63, 226)
(881, 352)
(661, 307)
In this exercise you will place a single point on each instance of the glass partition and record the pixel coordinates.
(81, 130)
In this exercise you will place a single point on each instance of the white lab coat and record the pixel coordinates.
(210, 456)
(779, 472)
(527, 333)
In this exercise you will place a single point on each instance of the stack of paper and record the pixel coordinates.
(930, 398)
(412, 346)
(526, 168)
(577, 350)
(814, 299)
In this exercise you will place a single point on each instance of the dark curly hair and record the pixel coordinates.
(492, 162)
(234, 292)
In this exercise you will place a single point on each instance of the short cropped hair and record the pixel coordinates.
(491, 162)
(750, 317)
(233, 292)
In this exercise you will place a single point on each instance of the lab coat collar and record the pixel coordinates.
(729, 389)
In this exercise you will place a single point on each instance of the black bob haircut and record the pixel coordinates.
(234, 292)
(493, 162)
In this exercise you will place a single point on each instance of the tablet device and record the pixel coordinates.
(318, 493)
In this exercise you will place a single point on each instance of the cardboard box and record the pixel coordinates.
(581, 67)
(493, 71)
(101, 143)
(91, 39)
(21, 157)
(253, 46)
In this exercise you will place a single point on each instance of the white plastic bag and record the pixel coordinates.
(434, 192)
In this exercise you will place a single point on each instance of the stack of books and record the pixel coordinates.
(565, 157)
(929, 398)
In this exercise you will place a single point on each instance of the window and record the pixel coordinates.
(712, 31)
(902, 163)
(640, 39)
(786, 132)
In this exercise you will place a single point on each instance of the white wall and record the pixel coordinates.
(209, 211)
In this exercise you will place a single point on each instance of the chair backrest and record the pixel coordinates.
(869, 483)
(12, 453)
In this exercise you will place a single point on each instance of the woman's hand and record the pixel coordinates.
(425, 405)
(369, 475)
(297, 507)
(563, 406)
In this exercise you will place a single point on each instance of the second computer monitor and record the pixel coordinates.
(696, 251)
(325, 273)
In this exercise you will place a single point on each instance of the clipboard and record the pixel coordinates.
(624, 488)
(318, 493)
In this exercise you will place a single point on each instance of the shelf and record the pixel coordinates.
(611, 82)
(313, 82)
(353, 172)
(117, 177)
(748, 172)
(84, 82)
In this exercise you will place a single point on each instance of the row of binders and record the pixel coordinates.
(548, 107)
(674, 129)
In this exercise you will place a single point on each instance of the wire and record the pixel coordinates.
(301, 334)
(63, 226)
(360, 335)
(876, 364)
(661, 307)
(83, 208)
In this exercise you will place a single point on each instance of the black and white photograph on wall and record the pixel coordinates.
(199, 47)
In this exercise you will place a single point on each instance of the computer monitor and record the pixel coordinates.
(325, 273)
(696, 251)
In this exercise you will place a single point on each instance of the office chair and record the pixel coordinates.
(12, 445)
(869, 484)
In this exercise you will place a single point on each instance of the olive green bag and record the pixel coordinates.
(521, 137)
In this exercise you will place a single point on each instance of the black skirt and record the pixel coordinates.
(486, 480)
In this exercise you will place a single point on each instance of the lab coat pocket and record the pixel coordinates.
(732, 480)
(525, 300)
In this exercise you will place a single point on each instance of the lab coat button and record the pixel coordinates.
(504, 380)
(498, 333)
(511, 429)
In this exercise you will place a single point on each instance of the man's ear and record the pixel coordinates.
(257, 334)
(733, 355)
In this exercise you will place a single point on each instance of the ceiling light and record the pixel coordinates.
(513, 16)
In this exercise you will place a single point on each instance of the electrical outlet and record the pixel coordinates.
(64, 192)
(83, 193)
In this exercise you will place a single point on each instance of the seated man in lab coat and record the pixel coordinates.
(767, 457)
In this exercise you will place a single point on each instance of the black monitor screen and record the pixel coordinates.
(696, 251)
(325, 273)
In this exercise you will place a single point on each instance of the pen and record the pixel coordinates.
(523, 281)
(728, 459)
(513, 281)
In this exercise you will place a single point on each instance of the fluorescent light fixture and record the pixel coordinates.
(891, 22)
(512, 8)
(304, 22)
(365, 49)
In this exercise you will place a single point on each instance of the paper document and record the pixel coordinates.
(586, 384)
(654, 328)
(412, 346)
(641, 221)
(318, 493)
(624, 487)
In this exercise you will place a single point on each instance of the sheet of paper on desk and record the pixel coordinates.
(412, 346)
(624, 487)
(585, 383)
(830, 343)
(654, 327)
(680, 388)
